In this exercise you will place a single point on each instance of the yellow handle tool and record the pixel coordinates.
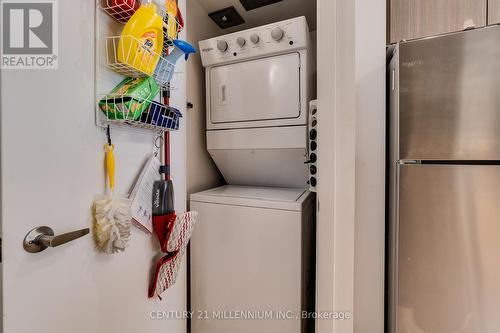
(110, 165)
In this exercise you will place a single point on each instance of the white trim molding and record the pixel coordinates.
(337, 161)
(351, 164)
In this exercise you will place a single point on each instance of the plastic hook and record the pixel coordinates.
(108, 134)
(158, 143)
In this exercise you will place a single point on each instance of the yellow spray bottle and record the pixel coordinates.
(172, 10)
(141, 41)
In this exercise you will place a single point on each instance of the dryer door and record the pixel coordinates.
(259, 90)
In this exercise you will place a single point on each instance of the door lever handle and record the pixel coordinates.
(40, 238)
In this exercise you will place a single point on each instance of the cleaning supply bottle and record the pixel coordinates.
(166, 67)
(141, 41)
(172, 10)
(182, 48)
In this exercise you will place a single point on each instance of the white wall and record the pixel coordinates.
(351, 92)
(201, 170)
(370, 166)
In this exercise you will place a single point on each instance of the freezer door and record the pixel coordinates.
(448, 249)
(258, 90)
(450, 97)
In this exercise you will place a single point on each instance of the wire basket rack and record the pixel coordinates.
(139, 112)
(172, 27)
(128, 56)
(122, 10)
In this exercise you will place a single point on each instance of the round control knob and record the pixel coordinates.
(241, 41)
(314, 145)
(313, 158)
(222, 46)
(313, 181)
(255, 38)
(313, 169)
(277, 33)
(313, 134)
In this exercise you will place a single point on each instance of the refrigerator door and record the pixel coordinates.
(449, 98)
(448, 249)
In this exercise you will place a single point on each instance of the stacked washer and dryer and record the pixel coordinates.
(253, 251)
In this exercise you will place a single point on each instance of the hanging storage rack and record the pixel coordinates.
(125, 109)
(123, 59)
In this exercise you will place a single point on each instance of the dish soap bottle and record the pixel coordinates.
(141, 41)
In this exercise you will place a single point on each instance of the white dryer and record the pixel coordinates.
(259, 83)
(252, 260)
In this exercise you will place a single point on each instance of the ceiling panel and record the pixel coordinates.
(272, 13)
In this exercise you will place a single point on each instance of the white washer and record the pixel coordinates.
(252, 254)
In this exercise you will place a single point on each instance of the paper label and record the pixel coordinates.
(142, 194)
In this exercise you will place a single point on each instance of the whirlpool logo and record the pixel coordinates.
(29, 34)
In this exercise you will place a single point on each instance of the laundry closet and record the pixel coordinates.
(253, 251)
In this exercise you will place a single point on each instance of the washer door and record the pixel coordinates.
(258, 90)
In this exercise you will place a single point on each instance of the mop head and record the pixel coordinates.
(113, 220)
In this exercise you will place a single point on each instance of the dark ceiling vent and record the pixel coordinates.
(227, 17)
(254, 4)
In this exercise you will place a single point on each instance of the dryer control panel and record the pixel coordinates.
(271, 39)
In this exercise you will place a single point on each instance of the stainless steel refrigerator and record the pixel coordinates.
(444, 206)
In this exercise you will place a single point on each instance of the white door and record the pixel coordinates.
(51, 169)
(263, 89)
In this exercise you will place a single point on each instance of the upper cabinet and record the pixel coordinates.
(411, 19)
(493, 11)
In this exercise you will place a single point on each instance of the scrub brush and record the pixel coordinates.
(112, 213)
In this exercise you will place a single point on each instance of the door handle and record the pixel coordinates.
(40, 238)
(222, 95)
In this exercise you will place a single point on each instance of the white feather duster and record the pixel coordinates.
(113, 221)
(112, 214)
